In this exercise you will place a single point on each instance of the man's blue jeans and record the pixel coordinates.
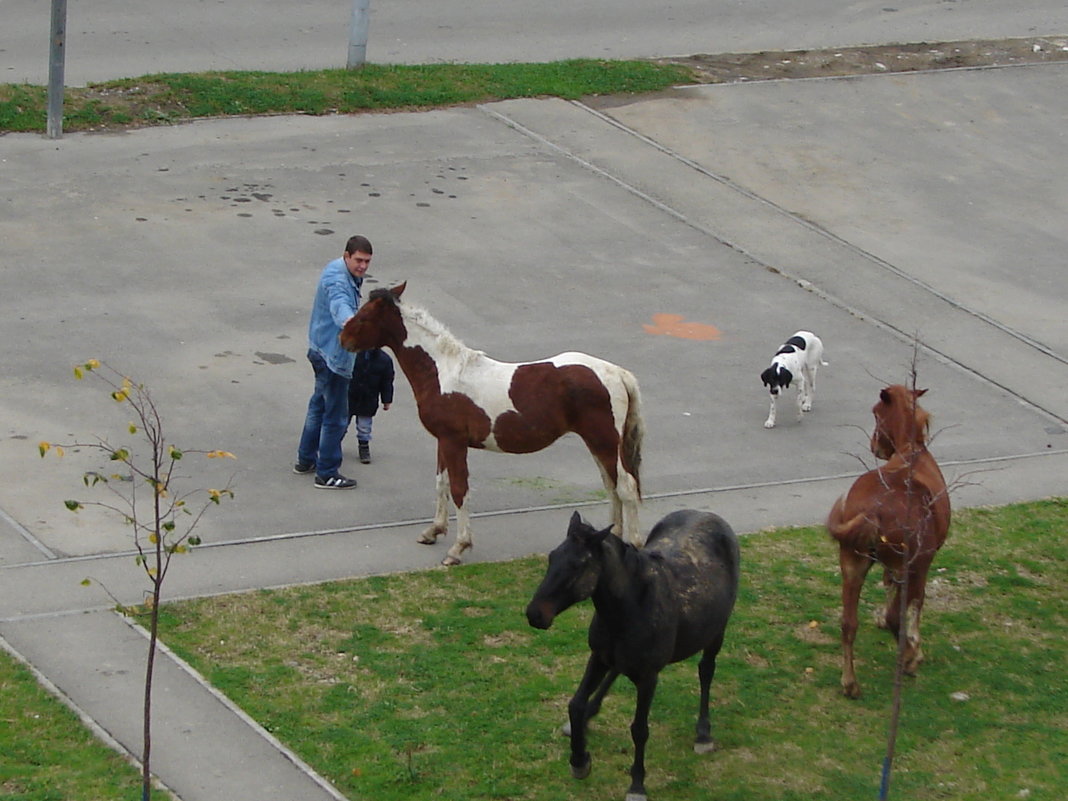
(327, 420)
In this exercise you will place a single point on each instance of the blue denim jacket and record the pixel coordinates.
(336, 299)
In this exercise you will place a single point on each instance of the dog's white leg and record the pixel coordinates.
(809, 382)
(802, 393)
(770, 422)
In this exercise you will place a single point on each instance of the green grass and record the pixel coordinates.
(45, 752)
(168, 98)
(431, 685)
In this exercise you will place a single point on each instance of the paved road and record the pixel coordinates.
(874, 211)
(114, 39)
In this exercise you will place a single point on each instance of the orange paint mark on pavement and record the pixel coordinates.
(674, 325)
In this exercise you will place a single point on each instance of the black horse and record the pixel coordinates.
(654, 606)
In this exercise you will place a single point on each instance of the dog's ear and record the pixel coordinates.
(767, 376)
(785, 376)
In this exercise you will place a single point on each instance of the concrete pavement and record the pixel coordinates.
(875, 211)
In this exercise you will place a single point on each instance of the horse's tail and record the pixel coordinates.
(846, 528)
(856, 531)
(633, 430)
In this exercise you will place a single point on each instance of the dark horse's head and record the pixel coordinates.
(572, 575)
(901, 424)
(375, 322)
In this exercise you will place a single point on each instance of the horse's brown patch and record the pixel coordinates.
(449, 415)
(454, 416)
(533, 425)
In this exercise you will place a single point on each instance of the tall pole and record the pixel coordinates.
(56, 60)
(361, 13)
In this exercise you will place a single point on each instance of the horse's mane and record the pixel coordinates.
(413, 315)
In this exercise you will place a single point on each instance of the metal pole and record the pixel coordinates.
(361, 14)
(56, 60)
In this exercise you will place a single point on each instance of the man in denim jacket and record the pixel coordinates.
(336, 300)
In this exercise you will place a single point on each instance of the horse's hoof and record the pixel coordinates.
(636, 797)
(583, 770)
(430, 535)
(449, 561)
(851, 690)
(704, 748)
(565, 730)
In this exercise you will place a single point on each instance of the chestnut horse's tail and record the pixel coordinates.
(845, 529)
(856, 531)
(633, 430)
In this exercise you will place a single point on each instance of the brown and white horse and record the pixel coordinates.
(897, 514)
(468, 400)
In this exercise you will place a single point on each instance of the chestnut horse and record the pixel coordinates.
(468, 400)
(897, 514)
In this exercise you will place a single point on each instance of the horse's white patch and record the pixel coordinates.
(487, 382)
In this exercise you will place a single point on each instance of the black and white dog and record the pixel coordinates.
(797, 360)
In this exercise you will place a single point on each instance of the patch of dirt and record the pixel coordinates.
(873, 59)
(148, 103)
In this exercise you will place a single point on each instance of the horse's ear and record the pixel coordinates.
(398, 290)
(919, 393)
(885, 396)
(575, 524)
(599, 536)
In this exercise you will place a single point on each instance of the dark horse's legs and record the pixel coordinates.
(593, 705)
(706, 670)
(639, 733)
(578, 714)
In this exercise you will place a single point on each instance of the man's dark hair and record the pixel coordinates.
(358, 243)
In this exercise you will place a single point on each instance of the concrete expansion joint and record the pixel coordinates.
(880, 264)
(27, 535)
(799, 220)
(98, 730)
(979, 462)
(204, 685)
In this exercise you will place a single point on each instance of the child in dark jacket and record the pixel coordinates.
(372, 380)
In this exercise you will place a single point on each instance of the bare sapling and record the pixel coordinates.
(145, 490)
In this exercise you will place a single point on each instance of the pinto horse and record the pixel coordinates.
(468, 400)
(897, 514)
(654, 606)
